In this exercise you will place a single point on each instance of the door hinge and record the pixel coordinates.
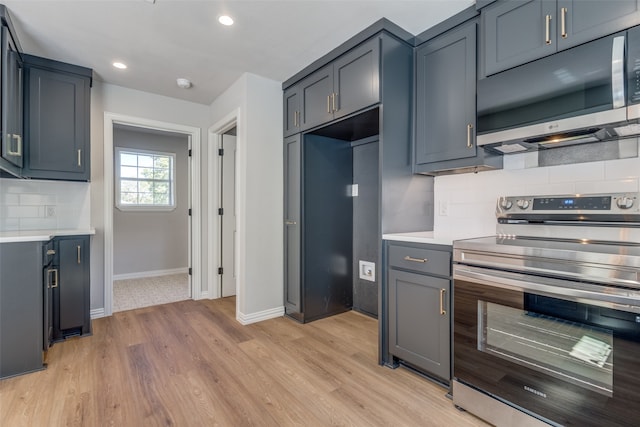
(189, 211)
(190, 152)
(220, 211)
(220, 151)
(190, 271)
(220, 270)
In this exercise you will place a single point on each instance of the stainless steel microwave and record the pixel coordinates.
(585, 94)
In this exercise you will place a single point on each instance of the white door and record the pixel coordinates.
(228, 217)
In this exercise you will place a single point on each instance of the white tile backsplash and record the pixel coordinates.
(471, 198)
(24, 203)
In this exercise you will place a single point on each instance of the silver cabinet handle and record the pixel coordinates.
(288, 222)
(328, 103)
(295, 119)
(469, 136)
(18, 139)
(79, 157)
(617, 72)
(54, 282)
(79, 260)
(442, 309)
(547, 31)
(563, 22)
(422, 260)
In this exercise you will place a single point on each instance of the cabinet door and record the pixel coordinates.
(73, 286)
(356, 77)
(582, 21)
(316, 98)
(291, 111)
(419, 331)
(292, 285)
(445, 101)
(58, 141)
(516, 32)
(12, 135)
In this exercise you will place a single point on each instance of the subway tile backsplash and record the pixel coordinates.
(470, 198)
(43, 205)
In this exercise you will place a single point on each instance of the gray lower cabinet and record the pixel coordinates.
(292, 248)
(21, 321)
(519, 31)
(57, 131)
(419, 301)
(71, 293)
(445, 138)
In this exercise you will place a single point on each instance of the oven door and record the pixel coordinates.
(564, 351)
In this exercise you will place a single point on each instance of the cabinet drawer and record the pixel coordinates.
(420, 260)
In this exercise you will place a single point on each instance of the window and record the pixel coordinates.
(145, 180)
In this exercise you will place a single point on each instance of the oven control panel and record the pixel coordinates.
(567, 206)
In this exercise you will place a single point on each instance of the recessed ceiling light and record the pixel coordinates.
(225, 20)
(120, 65)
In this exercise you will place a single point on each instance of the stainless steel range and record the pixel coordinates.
(547, 313)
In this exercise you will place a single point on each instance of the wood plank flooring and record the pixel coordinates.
(190, 363)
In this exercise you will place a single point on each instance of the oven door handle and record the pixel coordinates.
(603, 296)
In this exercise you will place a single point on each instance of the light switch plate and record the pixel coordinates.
(367, 270)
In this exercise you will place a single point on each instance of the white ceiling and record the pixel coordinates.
(182, 38)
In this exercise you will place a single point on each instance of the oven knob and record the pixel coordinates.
(505, 204)
(624, 202)
(522, 203)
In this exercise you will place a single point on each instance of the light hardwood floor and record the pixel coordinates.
(190, 363)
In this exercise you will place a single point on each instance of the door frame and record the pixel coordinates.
(221, 189)
(194, 133)
(233, 119)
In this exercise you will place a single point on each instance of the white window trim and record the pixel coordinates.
(144, 208)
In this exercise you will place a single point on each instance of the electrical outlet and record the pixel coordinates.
(50, 211)
(444, 208)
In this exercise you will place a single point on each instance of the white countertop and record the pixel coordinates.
(41, 235)
(431, 237)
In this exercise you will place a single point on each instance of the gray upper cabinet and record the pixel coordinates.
(582, 21)
(348, 84)
(445, 97)
(11, 155)
(57, 120)
(292, 180)
(519, 31)
(292, 110)
(316, 98)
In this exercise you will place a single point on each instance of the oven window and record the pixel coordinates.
(578, 353)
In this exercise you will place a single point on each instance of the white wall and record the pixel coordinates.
(120, 100)
(258, 103)
(471, 198)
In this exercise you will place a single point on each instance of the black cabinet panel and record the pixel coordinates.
(20, 308)
(291, 111)
(316, 98)
(292, 164)
(71, 295)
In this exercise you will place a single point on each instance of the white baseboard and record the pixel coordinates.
(154, 273)
(246, 319)
(97, 313)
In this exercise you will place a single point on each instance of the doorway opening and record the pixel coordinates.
(151, 222)
(113, 123)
